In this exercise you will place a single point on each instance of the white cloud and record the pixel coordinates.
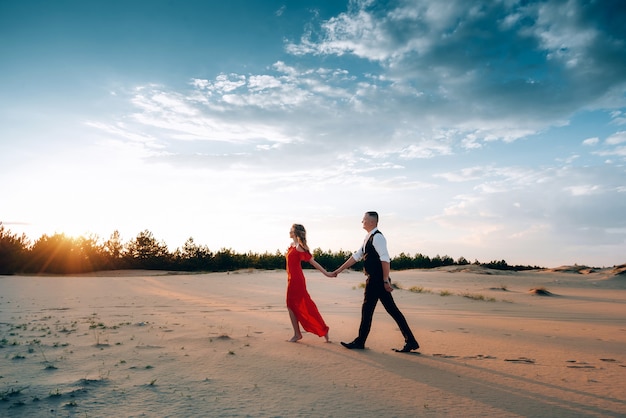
(225, 83)
(583, 190)
(618, 117)
(263, 82)
(465, 174)
(591, 141)
(426, 149)
(146, 145)
(616, 138)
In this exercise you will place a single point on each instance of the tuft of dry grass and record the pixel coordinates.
(419, 289)
(541, 291)
(475, 296)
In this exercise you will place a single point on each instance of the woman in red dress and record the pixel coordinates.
(302, 309)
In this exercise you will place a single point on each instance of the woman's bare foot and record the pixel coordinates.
(295, 338)
(327, 337)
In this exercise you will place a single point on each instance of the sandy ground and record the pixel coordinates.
(155, 344)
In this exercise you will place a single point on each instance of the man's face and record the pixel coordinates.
(368, 222)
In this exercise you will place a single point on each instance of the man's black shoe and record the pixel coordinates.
(353, 345)
(408, 347)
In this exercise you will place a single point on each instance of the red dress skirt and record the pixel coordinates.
(298, 299)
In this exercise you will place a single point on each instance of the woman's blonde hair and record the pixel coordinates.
(300, 233)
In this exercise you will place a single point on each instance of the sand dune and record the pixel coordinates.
(133, 344)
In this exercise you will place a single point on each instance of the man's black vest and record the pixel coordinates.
(371, 259)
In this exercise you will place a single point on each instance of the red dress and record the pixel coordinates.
(298, 299)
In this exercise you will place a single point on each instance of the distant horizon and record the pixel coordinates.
(102, 240)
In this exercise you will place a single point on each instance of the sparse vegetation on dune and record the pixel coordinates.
(419, 289)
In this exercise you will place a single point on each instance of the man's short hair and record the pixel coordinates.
(373, 214)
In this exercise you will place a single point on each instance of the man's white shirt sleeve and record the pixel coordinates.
(380, 244)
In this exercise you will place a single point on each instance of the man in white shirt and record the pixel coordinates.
(376, 264)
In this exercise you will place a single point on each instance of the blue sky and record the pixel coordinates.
(485, 130)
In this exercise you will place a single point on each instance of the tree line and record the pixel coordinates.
(61, 254)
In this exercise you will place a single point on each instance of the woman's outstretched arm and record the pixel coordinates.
(320, 268)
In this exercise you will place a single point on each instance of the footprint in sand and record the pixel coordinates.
(480, 357)
(520, 360)
(612, 360)
(444, 356)
(581, 365)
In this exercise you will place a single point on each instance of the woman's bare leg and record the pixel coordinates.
(297, 335)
